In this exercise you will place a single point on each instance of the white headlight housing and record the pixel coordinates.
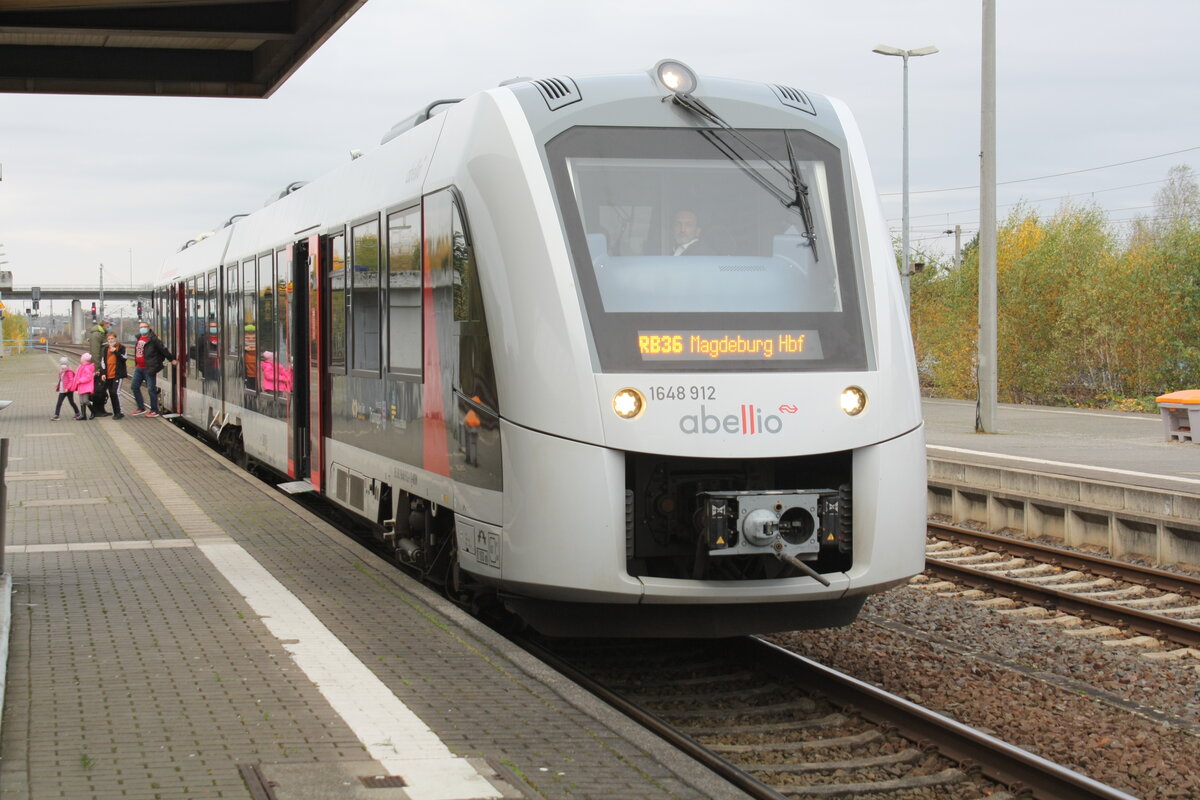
(628, 403)
(854, 400)
(675, 76)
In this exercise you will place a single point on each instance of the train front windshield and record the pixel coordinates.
(688, 259)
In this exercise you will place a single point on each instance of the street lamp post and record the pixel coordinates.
(2, 263)
(888, 50)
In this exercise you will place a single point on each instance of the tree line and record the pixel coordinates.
(1090, 314)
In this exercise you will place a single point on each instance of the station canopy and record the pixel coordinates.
(186, 48)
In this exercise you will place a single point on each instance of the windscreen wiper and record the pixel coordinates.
(795, 199)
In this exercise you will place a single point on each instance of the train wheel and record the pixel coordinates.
(233, 447)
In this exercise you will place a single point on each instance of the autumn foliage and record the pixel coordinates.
(1089, 314)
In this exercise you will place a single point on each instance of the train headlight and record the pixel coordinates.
(675, 76)
(854, 400)
(628, 403)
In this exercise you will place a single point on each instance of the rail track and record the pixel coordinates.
(67, 349)
(778, 725)
(1146, 601)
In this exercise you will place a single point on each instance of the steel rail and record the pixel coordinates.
(1105, 567)
(1143, 622)
(747, 783)
(999, 761)
(1018, 769)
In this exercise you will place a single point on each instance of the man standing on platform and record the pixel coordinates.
(97, 344)
(149, 355)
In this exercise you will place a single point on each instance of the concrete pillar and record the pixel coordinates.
(77, 325)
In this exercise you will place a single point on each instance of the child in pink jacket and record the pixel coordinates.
(65, 387)
(85, 377)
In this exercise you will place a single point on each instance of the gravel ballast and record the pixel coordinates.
(1108, 712)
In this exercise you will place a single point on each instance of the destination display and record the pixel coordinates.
(789, 345)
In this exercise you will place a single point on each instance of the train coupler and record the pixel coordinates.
(787, 524)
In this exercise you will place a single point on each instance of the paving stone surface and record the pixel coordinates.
(135, 669)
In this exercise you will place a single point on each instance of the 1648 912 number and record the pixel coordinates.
(683, 392)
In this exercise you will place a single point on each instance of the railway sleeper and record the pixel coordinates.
(906, 756)
(801, 706)
(1153, 602)
(855, 740)
(1116, 594)
(946, 776)
(827, 721)
(730, 694)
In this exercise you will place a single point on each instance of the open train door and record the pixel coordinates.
(311, 429)
(178, 322)
(297, 337)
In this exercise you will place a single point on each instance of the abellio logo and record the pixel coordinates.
(750, 421)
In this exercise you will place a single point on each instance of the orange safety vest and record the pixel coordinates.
(471, 420)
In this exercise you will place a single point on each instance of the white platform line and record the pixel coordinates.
(83, 547)
(389, 730)
(1130, 417)
(1044, 462)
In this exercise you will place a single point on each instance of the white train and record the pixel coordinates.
(627, 353)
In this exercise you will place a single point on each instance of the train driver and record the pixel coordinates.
(685, 228)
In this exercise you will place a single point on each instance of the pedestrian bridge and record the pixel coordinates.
(78, 292)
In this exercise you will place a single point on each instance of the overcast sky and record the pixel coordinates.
(1082, 85)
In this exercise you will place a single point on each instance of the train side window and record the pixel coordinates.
(364, 304)
(209, 345)
(192, 322)
(477, 375)
(208, 326)
(285, 308)
(468, 304)
(265, 323)
(250, 321)
(404, 292)
(335, 283)
(210, 306)
(233, 313)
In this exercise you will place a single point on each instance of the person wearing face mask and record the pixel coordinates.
(149, 355)
(208, 356)
(114, 368)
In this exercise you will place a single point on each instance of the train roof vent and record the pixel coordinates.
(408, 123)
(794, 98)
(200, 237)
(558, 92)
(282, 193)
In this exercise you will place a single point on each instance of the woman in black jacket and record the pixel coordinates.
(112, 368)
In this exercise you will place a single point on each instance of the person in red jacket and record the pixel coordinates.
(149, 356)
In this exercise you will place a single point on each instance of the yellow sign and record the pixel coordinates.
(42, 340)
(728, 345)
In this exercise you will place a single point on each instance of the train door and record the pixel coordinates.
(177, 333)
(318, 374)
(295, 329)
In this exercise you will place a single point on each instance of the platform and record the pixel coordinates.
(179, 630)
(1089, 478)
